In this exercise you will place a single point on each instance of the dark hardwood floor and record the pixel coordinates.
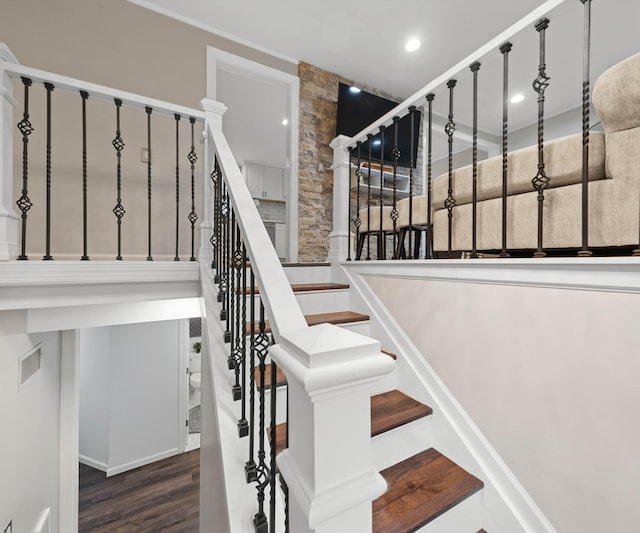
(163, 496)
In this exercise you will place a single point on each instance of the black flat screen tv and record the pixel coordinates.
(358, 109)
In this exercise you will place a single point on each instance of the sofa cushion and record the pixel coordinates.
(563, 165)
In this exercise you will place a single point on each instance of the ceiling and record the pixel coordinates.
(364, 41)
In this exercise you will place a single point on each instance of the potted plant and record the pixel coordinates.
(196, 347)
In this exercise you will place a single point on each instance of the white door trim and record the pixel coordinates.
(183, 384)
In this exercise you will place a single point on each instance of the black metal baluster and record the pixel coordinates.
(215, 235)
(24, 203)
(48, 257)
(504, 50)
(263, 473)
(474, 67)
(231, 301)
(358, 221)
(84, 95)
(149, 110)
(118, 210)
(429, 244)
(412, 111)
(586, 77)
(382, 251)
(243, 424)
(395, 153)
(272, 448)
(239, 329)
(177, 118)
(370, 140)
(250, 466)
(192, 215)
(228, 251)
(349, 205)
(541, 180)
(224, 243)
(449, 129)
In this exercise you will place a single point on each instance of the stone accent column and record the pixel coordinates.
(328, 465)
(339, 237)
(8, 215)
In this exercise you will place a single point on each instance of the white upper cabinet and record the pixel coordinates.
(266, 183)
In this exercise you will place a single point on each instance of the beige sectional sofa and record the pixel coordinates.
(614, 183)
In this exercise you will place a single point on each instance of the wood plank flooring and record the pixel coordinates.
(160, 497)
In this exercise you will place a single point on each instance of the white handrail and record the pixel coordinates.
(99, 92)
(280, 303)
(418, 97)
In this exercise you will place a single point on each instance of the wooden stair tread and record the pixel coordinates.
(393, 409)
(307, 287)
(388, 410)
(281, 378)
(390, 354)
(337, 317)
(421, 488)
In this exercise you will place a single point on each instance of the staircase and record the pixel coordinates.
(427, 491)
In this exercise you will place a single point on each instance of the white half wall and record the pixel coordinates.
(30, 440)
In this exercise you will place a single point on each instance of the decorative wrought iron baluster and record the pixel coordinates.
(429, 244)
(177, 118)
(263, 473)
(224, 243)
(84, 95)
(243, 424)
(358, 221)
(239, 329)
(149, 110)
(272, 448)
(412, 111)
(48, 257)
(215, 235)
(231, 297)
(370, 140)
(449, 129)
(395, 154)
(228, 268)
(24, 203)
(586, 81)
(349, 204)
(474, 67)
(118, 144)
(504, 50)
(382, 250)
(250, 467)
(192, 215)
(541, 181)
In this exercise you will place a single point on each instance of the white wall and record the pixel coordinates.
(129, 398)
(29, 443)
(550, 378)
(94, 397)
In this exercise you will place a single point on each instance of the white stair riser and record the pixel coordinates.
(400, 443)
(358, 327)
(465, 516)
(308, 274)
(313, 302)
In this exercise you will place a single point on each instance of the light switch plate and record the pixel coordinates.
(9, 528)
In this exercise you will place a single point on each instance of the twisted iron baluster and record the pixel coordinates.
(231, 316)
(243, 424)
(177, 118)
(358, 221)
(395, 154)
(215, 235)
(250, 468)
(149, 110)
(349, 204)
(84, 95)
(263, 473)
(369, 141)
(474, 67)
(118, 144)
(239, 327)
(224, 243)
(272, 448)
(429, 244)
(412, 111)
(541, 181)
(48, 257)
(586, 53)
(382, 250)
(24, 203)
(449, 129)
(504, 50)
(192, 157)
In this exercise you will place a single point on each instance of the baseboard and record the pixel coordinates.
(142, 462)
(514, 511)
(98, 465)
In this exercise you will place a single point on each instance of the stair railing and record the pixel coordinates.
(327, 487)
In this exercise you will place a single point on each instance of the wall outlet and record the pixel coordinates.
(9, 528)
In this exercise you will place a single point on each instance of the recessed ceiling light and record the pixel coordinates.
(354, 90)
(412, 45)
(285, 121)
(517, 98)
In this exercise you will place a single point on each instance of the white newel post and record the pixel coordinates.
(213, 112)
(328, 465)
(8, 215)
(339, 237)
